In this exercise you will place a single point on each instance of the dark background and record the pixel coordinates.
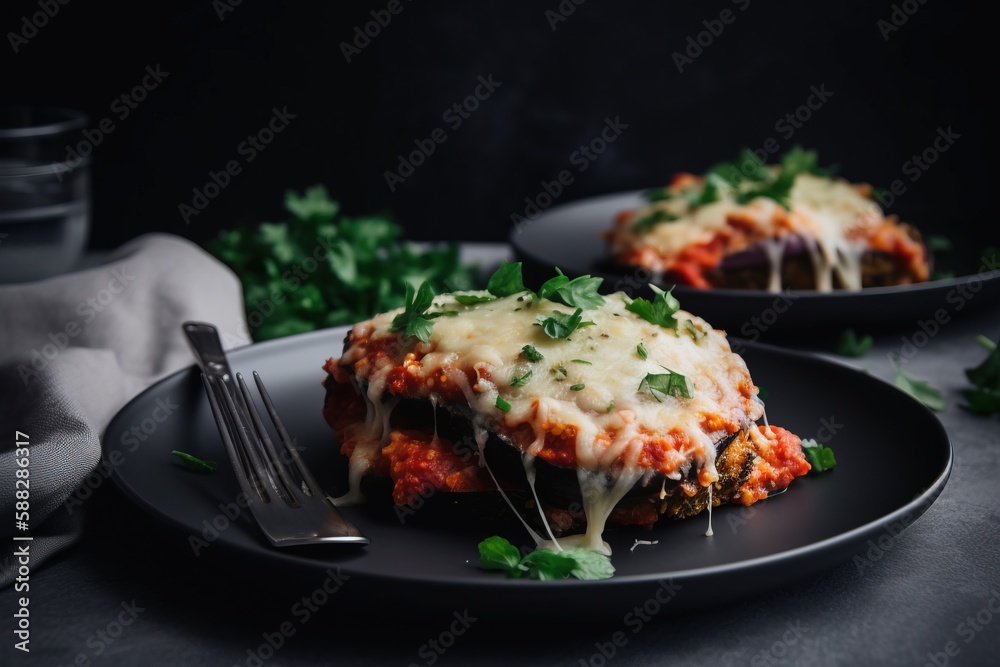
(557, 87)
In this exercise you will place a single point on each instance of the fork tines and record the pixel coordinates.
(283, 495)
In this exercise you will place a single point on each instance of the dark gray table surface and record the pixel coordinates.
(931, 597)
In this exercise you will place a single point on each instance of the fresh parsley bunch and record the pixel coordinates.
(320, 269)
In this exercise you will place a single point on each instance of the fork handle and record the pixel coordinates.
(207, 348)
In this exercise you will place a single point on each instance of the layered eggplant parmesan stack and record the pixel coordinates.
(747, 225)
(585, 410)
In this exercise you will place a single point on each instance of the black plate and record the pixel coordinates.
(569, 236)
(893, 455)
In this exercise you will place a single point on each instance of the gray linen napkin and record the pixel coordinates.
(73, 350)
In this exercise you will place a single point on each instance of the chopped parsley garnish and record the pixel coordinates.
(581, 361)
(918, 389)
(649, 221)
(577, 387)
(195, 463)
(658, 194)
(660, 311)
(412, 320)
(794, 162)
(819, 456)
(561, 325)
(937, 243)
(749, 177)
(641, 350)
(496, 553)
(611, 406)
(472, 299)
(559, 372)
(659, 386)
(520, 380)
(531, 353)
(506, 280)
(692, 330)
(984, 396)
(502, 404)
(991, 257)
(580, 292)
(850, 345)
(717, 180)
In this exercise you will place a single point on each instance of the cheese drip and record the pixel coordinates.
(709, 532)
(369, 440)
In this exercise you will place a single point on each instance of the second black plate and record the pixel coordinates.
(569, 237)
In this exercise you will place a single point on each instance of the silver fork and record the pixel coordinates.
(284, 497)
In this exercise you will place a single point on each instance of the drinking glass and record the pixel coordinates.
(44, 191)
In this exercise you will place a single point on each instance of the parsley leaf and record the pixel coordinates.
(580, 292)
(715, 184)
(982, 400)
(521, 380)
(561, 325)
(984, 396)
(751, 168)
(658, 194)
(990, 257)
(412, 320)
(849, 345)
(920, 390)
(692, 330)
(506, 280)
(531, 353)
(986, 374)
(546, 565)
(660, 311)
(496, 553)
(195, 463)
(419, 327)
(796, 161)
(819, 456)
(641, 350)
(659, 386)
(589, 565)
(649, 221)
(472, 299)
(937, 243)
(749, 177)
(577, 387)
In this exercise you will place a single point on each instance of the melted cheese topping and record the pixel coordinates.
(586, 388)
(829, 215)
